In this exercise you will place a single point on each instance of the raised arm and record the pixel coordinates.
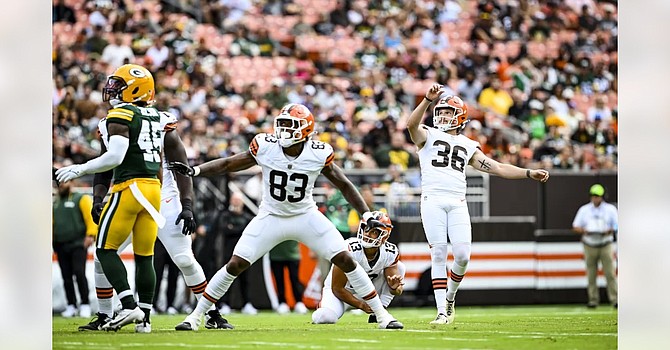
(483, 163)
(335, 174)
(417, 134)
(216, 167)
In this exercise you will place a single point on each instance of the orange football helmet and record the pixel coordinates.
(295, 123)
(377, 236)
(455, 103)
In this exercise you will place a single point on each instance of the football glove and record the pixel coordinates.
(96, 211)
(181, 168)
(70, 172)
(189, 222)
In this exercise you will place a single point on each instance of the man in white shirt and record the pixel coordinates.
(596, 221)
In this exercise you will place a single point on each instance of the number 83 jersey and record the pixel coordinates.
(443, 159)
(288, 182)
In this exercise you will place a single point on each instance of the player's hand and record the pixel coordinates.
(189, 222)
(181, 168)
(539, 175)
(365, 307)
(70, 172)
(96, 211)
(394, 281)
(434, 92)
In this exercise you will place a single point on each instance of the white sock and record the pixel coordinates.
(455, 278)
(103, 290)
(216, 288)
(366, 290)
(438, 274)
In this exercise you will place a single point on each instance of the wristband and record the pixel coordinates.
(196, 171)
(528, 173)
(429, 100)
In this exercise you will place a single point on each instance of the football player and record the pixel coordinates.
(133, 151)
(291, 162)
(174, 235)
(379, 259)
(443, 155)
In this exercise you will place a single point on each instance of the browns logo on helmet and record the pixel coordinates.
(444, 121)
(294, 124)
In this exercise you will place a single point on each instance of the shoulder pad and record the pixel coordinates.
(259, 140)
(168, 121)
(120, 113)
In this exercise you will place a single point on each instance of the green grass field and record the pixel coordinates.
(524, 327)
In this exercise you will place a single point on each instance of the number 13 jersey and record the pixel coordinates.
(443, 159)
(288, 182)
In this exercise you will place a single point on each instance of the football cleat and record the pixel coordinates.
(143, 327)
(440, 319)
(124, 317)
(96, 323)
(451, 311)
(391, 324)
(190, 324)
(372, 319)
(215, 321)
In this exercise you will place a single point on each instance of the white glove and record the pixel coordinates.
(70, 172)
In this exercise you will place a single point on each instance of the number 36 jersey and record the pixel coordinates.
(443, 159)
(288, 182)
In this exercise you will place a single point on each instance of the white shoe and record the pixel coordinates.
(451, 311)
(85, 311)
(191, 323)
(225, 309)
(172, 311)
(440, 319)
(143, 327)
(283, 309)
(249, 309)
(125, 317)
(70, 311)
(300, 308)
(356, 312)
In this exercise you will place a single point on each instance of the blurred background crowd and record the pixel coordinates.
(539, 76)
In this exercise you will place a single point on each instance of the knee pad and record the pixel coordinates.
(438, 254)
(183, 260)
(324, 316)
(462, 253)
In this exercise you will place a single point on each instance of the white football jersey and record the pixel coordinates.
(443, 159)
(388, 256)
(168, 124)
(288, 183)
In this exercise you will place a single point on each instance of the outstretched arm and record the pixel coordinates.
(335, 174)
(483, 163)
(417, 134)
(216, 167)
(337, 285)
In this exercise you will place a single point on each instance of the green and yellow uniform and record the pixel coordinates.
(135, 181)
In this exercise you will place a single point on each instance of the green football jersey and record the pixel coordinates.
(142, 159)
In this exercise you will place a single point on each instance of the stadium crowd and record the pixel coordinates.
(539, 76)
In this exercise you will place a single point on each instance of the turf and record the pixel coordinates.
(521, 327)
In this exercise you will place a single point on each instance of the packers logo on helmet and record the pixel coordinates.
(130, 83)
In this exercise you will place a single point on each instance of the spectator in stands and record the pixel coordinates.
(597, 222)
(434, 39)
(157, 54)
(536, 122)
(73, 232)
(469, 87)
(96, 43)
(495, 98)
(117, 53)
(600, 112)
(276, 97)
(61, 12)
(395, 153)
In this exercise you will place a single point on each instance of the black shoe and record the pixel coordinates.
(215, 321)
(372, 319)
(394, 325)
(591, 305)
(616, 305)
(184, 326)
(96, 323)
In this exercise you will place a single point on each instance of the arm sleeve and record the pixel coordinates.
(118, 145)
(85, 205)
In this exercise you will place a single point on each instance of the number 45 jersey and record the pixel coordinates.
(443, 159)
(288, 182)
